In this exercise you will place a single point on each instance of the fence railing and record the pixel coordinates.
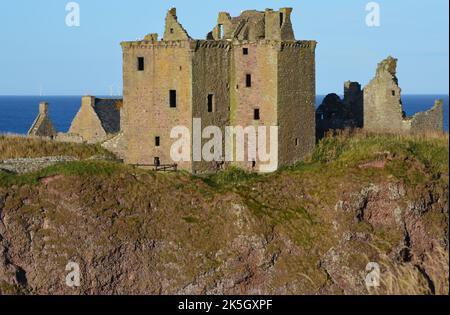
(160, 168)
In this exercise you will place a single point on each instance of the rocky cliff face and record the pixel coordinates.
(311, 229)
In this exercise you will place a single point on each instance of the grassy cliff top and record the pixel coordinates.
(12, 147)
(338, 155)
(306, 229)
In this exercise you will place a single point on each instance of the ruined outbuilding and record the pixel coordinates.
(383, 108)
(250, 71)
(336, 114)
(377, 108)
(42, 125)
(97, 120)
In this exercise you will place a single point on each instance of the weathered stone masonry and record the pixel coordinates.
(249, 71)
(42, 125)
(97, 120)
(383, 108)
(377, 108)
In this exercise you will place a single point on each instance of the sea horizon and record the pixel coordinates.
(19, 111)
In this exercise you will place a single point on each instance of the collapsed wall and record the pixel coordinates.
(383, 108)
(429, 121)
(377, 108)
(336, 114)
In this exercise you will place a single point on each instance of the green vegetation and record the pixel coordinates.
(12, 147)
(352, 148)
(407, 157)
(190, 219)
(287, 221)
(231, 177)
(81, 169)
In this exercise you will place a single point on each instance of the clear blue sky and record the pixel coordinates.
(37, 48)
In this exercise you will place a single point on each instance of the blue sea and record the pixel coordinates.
(17, 113)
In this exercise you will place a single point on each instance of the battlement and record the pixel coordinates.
(254, 25)
(223, 44)
(249, 26)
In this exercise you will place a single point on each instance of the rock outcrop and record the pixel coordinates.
(307, 230)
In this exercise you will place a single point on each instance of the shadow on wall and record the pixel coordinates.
(376, 108)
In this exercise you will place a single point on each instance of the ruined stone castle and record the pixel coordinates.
(249, 71)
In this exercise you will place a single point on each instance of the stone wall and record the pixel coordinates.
(68, 137)
(42, 125)
(116, 145)
(210, 65)
(296, 101)
(282, 78)
(96, 120)
(383, 109)
(354, 99)
(146, 113)
(262, 64)
(377, 108)
(429, 121)
(26, 165)
(338, 114)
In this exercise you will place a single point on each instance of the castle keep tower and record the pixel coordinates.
(250, 71)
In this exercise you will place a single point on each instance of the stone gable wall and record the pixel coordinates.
(87, 124)
(42, 125)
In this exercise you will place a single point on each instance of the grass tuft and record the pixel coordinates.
(231, 177)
